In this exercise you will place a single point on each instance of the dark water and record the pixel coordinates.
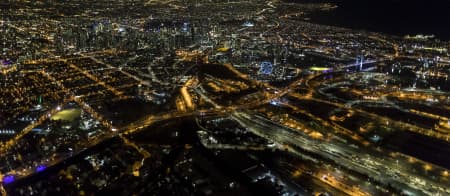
(396, 17)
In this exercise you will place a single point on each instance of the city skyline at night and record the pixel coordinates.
(238, 97)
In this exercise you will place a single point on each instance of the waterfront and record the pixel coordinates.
(385, 16)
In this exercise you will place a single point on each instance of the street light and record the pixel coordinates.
(445, 173)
